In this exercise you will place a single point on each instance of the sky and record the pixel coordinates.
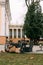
(18, 10)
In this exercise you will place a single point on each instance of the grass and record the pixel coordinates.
(21, 59)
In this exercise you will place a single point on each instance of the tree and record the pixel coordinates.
(33, 23)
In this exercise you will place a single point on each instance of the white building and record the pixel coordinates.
(5, 18)
(16, 32)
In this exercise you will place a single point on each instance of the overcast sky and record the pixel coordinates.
(18, 11)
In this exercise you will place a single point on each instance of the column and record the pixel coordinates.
(21, 32)
(16, 33)
(12, 33)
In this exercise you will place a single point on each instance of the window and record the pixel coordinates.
(19, 33)
(10, 33)
(14, 33)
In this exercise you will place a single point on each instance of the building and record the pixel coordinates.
(5, 18)
(15, 32)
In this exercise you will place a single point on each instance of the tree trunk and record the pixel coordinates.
(31, 45)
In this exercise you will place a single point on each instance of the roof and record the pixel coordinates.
(15, 26)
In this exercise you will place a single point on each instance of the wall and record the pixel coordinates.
(2, 48)
(0, 18)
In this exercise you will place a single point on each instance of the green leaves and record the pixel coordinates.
(33, 21)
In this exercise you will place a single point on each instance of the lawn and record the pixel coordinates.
(21, 59)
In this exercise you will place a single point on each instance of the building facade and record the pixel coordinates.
(16, 32)
(5, 18)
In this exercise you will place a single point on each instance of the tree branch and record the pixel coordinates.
(26, 3)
